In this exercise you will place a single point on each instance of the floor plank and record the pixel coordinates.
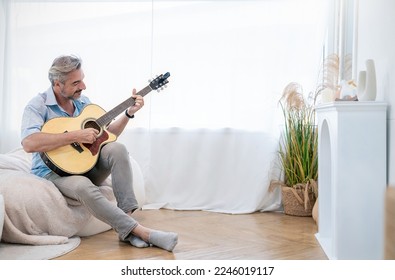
(212, 236)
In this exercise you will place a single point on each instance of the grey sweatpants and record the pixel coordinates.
(114, 160)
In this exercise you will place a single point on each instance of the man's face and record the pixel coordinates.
(73, 86)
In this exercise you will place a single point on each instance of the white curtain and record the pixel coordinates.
(209, 140)
(3, 95)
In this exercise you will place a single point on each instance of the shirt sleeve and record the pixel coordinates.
(34, 117)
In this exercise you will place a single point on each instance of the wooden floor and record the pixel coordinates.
(212, 236)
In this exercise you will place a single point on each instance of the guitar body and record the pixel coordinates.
(77, 158)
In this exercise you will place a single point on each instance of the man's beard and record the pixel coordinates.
(72, 97)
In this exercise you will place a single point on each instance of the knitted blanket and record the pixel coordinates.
(36, 212)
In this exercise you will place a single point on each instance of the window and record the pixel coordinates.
(229, 60)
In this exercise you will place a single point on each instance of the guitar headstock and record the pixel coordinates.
(159, 81)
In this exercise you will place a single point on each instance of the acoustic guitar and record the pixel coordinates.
(79, 158)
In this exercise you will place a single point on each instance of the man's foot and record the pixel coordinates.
(164, 240)
(137, 242)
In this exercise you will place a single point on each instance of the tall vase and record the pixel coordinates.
(367, 90)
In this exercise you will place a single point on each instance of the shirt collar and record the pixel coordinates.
(51, 99)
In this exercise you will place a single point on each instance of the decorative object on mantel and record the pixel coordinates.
(367, 82)
(348, 90)
(329, 88)
(328, 95)
(298, 154)
(348, 98)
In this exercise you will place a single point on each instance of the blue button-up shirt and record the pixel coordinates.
(39, 110)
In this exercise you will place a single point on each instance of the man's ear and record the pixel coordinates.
(56, 85)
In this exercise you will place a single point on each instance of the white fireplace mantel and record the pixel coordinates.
(351, 178)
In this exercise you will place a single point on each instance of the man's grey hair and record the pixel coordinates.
(62, 66)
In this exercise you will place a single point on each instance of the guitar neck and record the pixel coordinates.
(112, 114)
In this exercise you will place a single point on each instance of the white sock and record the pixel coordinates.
(164, 240)
(137, 242)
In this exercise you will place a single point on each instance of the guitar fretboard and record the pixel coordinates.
(110, 115)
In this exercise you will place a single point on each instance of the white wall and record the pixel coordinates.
(376, 40)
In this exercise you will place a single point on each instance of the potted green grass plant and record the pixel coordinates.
(298, 153)
(298, 147)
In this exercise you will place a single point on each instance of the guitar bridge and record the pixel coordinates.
(77, 146)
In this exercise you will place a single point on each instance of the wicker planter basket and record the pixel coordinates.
(297, 201)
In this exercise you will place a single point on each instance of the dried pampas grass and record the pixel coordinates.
(292, 97)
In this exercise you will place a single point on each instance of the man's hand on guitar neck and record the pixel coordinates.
(138, 103)
(119, 125)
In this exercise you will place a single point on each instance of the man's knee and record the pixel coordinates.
(75, 186)
(115, 150)
(75, 182)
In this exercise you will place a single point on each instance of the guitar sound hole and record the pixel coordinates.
(92, 124)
